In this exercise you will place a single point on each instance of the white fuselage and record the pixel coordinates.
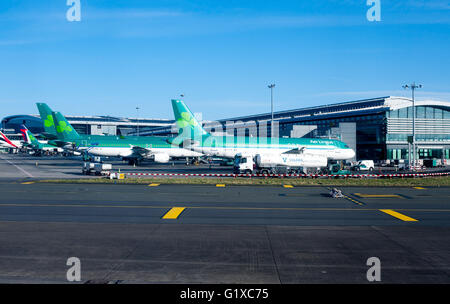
(128, 152)
(329, 152)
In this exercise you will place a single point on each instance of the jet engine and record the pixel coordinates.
(161, 158)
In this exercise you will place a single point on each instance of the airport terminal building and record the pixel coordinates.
(376, 129)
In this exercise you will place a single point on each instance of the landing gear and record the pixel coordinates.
(134, 162)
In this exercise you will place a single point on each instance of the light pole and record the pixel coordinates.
(137, 112)
(413, 87)
(271, 86)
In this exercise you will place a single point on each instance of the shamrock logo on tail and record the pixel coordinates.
(49, 121)
(62, 126)
(186, 120)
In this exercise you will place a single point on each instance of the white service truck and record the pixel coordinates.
(364, 165)
(96, 168)
(277, 163)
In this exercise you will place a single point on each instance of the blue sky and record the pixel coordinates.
(221, 54)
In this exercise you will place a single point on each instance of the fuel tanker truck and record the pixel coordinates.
(278, 163)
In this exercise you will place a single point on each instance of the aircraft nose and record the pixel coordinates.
(351, 153)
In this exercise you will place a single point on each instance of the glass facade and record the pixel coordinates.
(384, 135)
(438, 153)
(429, 112)
(370, 133)
(432, 126)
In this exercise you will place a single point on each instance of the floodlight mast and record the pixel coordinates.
(413, 87)
(271, 86)
(137, 122)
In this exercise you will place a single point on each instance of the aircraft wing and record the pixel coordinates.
(295, 151)
(143, 152)
(45, 135)
(59, 143)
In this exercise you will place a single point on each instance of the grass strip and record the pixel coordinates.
(443, 181)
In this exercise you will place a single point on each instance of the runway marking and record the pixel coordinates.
(173, 213)
(353, 200)
(398, 215)
(220, 185)
(288, 186)
(27, 183)
(213, 207)
(350, 198)
(419, 188)
(25, 172)
(378, 195)
(153, 185)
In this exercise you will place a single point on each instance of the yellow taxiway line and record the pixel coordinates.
(288, 186)
(353, 200)
(173, 213)
(398, 215)
(220, 185)
(153, 185)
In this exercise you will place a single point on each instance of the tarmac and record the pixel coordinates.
(215, 233)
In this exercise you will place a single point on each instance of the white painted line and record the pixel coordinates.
(25, 172)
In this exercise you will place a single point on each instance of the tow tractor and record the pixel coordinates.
(336, 169)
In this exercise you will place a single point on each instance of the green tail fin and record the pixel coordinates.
(34, 142)
(63, 128)
(47, 118)
(29, 138)
(186, 121)
(33, 139)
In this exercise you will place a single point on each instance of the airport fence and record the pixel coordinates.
(231, 175)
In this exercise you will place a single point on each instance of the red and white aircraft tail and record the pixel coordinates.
(6, 142)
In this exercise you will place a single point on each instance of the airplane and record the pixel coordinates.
(193, 136)
(6, 142)
(134, 149)
(31, 142)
